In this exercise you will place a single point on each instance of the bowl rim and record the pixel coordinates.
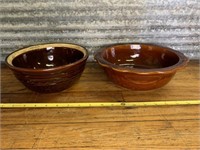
(11, 56)
(183, 60)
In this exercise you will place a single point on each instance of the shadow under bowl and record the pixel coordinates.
(48, 68)
(140, 66)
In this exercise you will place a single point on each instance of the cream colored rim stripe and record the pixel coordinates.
(98, 104)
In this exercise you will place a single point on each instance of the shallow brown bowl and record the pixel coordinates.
(48, 68)
(140, 66)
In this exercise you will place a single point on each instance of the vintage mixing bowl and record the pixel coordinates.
(48, 68)
(140, 66)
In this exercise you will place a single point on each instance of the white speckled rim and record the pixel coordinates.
(16, 53)
(183, 60)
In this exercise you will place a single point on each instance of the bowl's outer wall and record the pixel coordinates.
(138, 82)
(52, 81)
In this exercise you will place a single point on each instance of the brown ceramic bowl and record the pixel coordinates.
(140, 66)
(48, 68)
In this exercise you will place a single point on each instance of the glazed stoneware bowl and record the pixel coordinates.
(140, 66)
(48, 68)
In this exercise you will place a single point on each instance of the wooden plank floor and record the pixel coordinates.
(168, 127)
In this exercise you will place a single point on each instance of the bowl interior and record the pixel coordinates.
(47, 57)
(140, 56)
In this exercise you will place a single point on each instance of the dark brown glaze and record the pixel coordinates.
(47, 58)
(48, 68)
(140, 66)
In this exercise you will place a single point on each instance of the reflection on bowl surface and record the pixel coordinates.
(140, 66)
(47, 58)
(48, 68)
(145, 57)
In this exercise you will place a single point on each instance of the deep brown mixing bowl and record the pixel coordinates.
(140, 66)
(48, 68)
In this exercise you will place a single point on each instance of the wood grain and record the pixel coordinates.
(168, 127)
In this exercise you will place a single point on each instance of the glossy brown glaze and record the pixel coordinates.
(49, 67)
(47, 58)
(140, 66)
